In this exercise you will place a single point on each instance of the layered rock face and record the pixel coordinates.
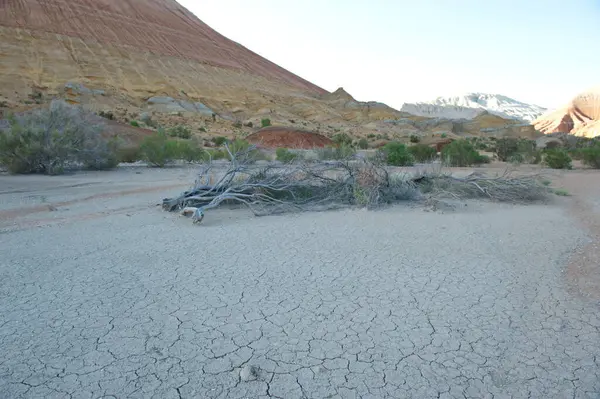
(126, 43)
(581, 117)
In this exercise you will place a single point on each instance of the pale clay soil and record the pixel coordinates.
(104, 295)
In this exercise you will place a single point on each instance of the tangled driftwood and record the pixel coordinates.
(314, 186)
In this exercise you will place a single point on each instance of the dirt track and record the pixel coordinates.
(103, 294)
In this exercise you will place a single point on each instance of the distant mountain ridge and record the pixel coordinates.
(469, 105)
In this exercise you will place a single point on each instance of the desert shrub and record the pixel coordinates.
(591, 156)
(415, 139)
(158, 150)
(49, 140)
(444, 135)
(189, 152)
(397, 154)
(422, 153)
(202, 129)
(460, 153)
(180, 131)
(557, 159)
(129, 154)
(249, 124)
(266, 122)
(481, 159)
(505, 148)
(335, 153)
(285, 155)
(371, 136)
(342, 139)
(238, 145)
(480, 145)
(219, 141)
(134, 123)
(363, 144)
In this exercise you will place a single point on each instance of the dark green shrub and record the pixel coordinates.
(481, 159)
(591, 156)
(49, 140)
(397, 154)
(203, 129)
(180, 131)
(460, 153)
(505, 148)
(285, 155)
(158, 150)
(363, 144)
(249, 124)
(219, 141)
(134, 123)
(444, 135)
(415, 139)
(371, 136)
(557, 158)
(422, 153)
(266, 122)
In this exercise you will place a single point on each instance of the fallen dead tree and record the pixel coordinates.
(315, 186)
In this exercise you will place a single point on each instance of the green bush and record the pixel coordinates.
(481, 159)
(506, 148)
(415, 139)
(134, 123)
(158, 150)
(397, 154)
(461, 153)
(180, 131)
(422, 153)
(49, 140)
(363, 144)
(557, 158)
(238, 145)
(591, 156)
(342, 139)
(190, 152)
(285, 155)
(266, 122)
(219, 141)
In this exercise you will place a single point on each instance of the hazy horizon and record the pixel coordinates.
(396, 51)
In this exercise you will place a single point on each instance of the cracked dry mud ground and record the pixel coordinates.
(396, 303)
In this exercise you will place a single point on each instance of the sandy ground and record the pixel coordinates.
(104, 295)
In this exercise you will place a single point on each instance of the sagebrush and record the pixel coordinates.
(48, 141)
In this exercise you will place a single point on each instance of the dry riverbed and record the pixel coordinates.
(103, 294)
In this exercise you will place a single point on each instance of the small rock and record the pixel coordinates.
(248, 373)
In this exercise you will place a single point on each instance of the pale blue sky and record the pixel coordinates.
(396, 51)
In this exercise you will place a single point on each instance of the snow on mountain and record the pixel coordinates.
(470, 105)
